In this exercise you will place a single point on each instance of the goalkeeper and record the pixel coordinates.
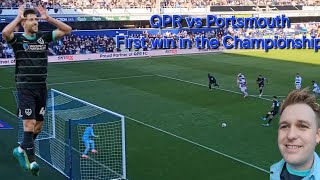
(87, 141)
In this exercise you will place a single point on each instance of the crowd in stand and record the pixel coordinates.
(80, 4)
(70, 44)
(73, 44)
(79, 44)
(113, 4)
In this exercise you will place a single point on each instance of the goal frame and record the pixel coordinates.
(69, 133)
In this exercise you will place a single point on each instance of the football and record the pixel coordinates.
(223, 125)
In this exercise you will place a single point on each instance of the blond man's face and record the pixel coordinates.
(298, 135)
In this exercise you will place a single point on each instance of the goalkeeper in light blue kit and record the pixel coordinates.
(87, 141)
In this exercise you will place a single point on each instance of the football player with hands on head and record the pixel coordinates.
(31, 57)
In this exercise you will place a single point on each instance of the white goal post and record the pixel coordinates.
(60, 143)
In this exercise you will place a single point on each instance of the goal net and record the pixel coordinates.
(61, 145)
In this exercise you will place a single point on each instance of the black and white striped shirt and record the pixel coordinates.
(31, 56)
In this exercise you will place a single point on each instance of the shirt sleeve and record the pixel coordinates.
(13, 40)
(49, 36)
(92, 134)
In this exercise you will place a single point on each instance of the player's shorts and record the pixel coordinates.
(212, 82)
(316, 91)
(261, 85)
(298, 86)
(87, 142)
(243, 89)
(32, 103)
(274, 112)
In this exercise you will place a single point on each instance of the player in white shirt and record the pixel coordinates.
(316, 88)
(238, 78)
(298, 81)
(241, 82)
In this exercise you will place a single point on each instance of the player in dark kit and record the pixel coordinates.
(212, 81)
(31, 55)
(271, 114)
(260, 82)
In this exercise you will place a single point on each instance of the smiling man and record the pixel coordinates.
(298, 136)
(31, 55)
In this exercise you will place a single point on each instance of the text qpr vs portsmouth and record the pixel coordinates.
(161, 21)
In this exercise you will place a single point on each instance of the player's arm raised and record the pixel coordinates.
(63, 29)
(7, 32)
(94, 134)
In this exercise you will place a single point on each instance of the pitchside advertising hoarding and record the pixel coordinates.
(8, 19)
(116, 55)
(9, 61)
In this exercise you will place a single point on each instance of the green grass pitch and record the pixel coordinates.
(173, 123)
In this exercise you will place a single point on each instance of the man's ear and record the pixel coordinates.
(22, 23)
(318, 136)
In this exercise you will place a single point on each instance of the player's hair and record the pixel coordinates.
(29, 11)
(304, 97)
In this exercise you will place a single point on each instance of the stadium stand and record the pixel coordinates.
(125, 4)
(79, 4)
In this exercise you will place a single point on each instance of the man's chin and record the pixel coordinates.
(293, 159)
(34, 30)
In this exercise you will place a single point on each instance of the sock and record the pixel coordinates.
(35, 136)
(87, 145)
(31, 164)
(86, 151)
(20, 150)
(28, 146)
(92, 144)
(269, 120)
(260, 91)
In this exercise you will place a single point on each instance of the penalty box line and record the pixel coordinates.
(199, 145)
(89, 80)
(166, 132)
(198, 84)
(227, 90)
(63, 143)
(181, 138)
